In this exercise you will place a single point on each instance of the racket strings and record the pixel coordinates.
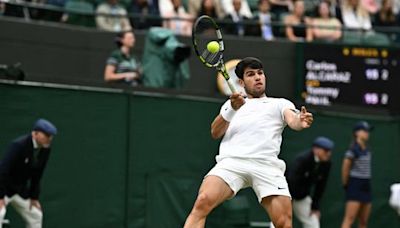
(211, 58)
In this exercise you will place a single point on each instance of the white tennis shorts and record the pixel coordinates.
(266, 177)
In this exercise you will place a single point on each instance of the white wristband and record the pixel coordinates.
(228, 112)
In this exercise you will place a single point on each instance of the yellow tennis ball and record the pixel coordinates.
(213, 47)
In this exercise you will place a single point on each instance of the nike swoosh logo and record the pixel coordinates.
(279, 188)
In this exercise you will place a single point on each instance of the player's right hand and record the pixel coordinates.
(237, 100)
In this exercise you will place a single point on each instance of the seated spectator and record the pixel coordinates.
(229, 8)
(263, 19)
(325, 27)
(199, 7)
(175, 17)
(236, 20)
(279, 7)
(122, 66)
(145, 11)
(354, 16)
(112, 17)
(386, 15)
(296, 23)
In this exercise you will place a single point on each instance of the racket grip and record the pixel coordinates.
(231, 86)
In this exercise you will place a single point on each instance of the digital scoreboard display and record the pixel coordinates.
(356, 76)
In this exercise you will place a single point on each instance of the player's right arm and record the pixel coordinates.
(228, 110)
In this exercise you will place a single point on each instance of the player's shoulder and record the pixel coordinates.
(279, 100)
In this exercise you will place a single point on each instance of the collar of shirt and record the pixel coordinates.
(316, 159)
(35, 144)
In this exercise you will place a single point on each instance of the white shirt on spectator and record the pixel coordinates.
(116, 22)
(354, 20)
(178, 26)
(244, 10)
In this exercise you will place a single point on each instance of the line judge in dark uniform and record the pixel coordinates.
(310, 170)
(21, 170)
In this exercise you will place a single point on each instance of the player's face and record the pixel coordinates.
(43, 139)
(254, 82)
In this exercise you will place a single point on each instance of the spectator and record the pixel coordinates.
(356, 177)
(122, 66)
(263, 18)
(310, 170)
(354, 16)
(175, 17)
(21, 170)
(296, 23)
(145, 12)
(113, 17)
(198, 7)
(325, 27)
(229, 8)
(386, 15)
(236, 20)
(208, 8)
(279, 7)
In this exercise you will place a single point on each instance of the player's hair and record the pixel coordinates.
(251, 62)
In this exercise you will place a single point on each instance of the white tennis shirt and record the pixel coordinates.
(256, 129)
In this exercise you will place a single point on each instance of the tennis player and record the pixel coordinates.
(251, 128)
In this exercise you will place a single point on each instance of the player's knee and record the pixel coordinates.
(284, 221)
(203, 203)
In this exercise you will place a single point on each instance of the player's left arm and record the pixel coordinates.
(298, 120)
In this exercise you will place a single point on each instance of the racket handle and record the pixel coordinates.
(231, 86)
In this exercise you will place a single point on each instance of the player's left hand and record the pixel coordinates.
(306, 118)
(35, 203)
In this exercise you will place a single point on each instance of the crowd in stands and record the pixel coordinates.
(297, 20)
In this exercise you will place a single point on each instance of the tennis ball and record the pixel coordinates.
(213, 47)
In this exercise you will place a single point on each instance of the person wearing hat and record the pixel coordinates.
(309, 170)
(356, 177)
(21, 169)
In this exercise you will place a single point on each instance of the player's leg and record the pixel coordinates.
(279, 209)
(33, 216)
(350, 214)
(302, 211)
(365, 210)
(213, 191)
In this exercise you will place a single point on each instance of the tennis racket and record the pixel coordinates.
(204, 31)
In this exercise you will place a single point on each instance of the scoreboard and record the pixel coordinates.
(351, 75)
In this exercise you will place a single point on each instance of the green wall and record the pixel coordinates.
(129, 160)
